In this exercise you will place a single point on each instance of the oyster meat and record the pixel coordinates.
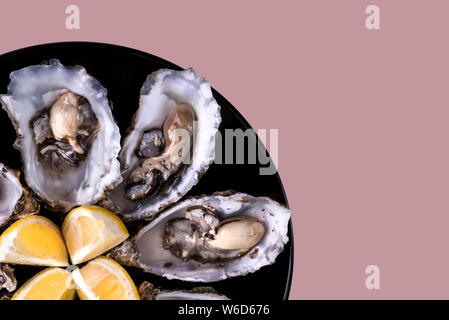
(15, 201)
(67, 136)
(209, 238)
(170, 144)
(148, 291)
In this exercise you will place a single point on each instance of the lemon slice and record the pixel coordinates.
(89, 231)
(33, 240)
(104, 279)
(49, 284)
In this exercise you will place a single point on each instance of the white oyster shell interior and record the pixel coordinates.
(162, 91)
(33, 90)
(152, 257)
(10, 193)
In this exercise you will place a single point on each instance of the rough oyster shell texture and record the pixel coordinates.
(7, 279)
(148, 291)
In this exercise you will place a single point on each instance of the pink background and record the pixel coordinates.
(362, 117)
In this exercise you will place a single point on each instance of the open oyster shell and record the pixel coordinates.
(67, 137)
(15, 201)
(209, 238)
(170, 144)
(7, 279)
(148, 291)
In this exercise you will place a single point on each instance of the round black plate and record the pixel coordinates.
(122, 71)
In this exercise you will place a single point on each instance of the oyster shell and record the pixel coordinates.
(148, 291)
(7, 279)
(170, 144)
(6, 296)
(15, 201)
(209, 238)
(67, 137)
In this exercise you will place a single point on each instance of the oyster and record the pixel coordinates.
(67, 137)
(15, 201)
(149, 292)
(7, 279)
(209, 238)
(170, 144)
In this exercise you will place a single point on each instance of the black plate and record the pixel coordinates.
(122, 71)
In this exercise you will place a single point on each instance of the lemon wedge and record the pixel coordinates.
(90, 231)
(33, 240)
(49, 284)
(104, 279)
